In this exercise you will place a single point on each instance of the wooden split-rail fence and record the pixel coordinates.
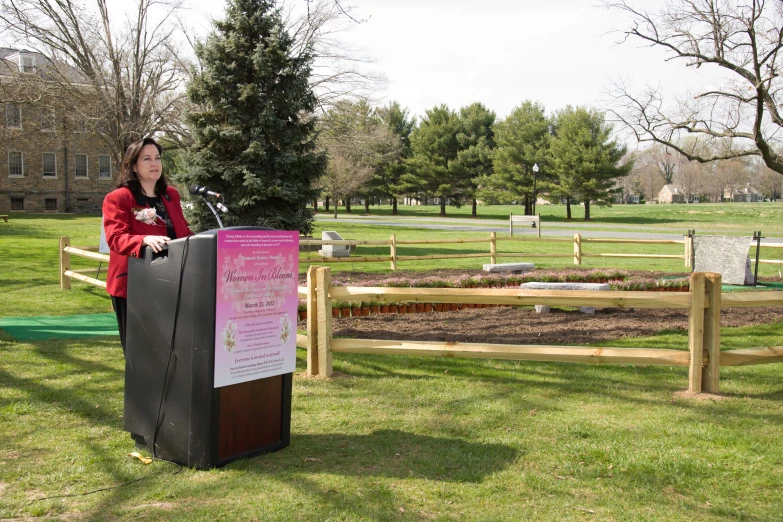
(703, 302)
(493, 253)
(67, 273)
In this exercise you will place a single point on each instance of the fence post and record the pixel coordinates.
(577, 249)
(324, 305)
(687, 254)
(393, 251)
(511, 225)
(710, 374)
(493, 248)
(312, 323)
(696, 332)
(539, 225)
(65, 263)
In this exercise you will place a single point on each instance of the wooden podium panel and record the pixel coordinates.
(251, 415)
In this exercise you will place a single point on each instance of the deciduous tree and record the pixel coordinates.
(125, 77)
(358, 145)
(742, 38)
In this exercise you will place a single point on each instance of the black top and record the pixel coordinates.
(160, 209)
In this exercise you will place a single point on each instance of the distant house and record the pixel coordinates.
(673, 193)
(631, 199)
(746, 194)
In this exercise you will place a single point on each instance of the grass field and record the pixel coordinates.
(718, 217)
(390, 438)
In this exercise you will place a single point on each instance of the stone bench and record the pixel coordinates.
(509, 268)
(334, 250)
(4, 217)
(544, 309)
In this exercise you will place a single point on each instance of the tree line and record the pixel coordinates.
(466, 156)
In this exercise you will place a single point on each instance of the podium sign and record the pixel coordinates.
(189, 392)
(255, 305)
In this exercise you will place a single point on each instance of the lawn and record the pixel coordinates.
(391, 437)
(716, 217)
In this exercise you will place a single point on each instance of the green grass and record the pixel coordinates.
(391, 437)
(722, 217)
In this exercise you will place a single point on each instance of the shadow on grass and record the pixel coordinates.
(392, 454)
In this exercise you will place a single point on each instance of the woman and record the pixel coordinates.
(143, 211)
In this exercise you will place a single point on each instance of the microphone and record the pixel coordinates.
(200, 190)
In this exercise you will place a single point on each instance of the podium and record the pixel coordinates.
(170, 395)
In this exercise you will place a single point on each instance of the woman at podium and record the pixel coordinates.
(144, 210)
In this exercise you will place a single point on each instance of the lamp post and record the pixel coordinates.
(535, 179)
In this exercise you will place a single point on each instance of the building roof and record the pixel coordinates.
(673, 188)
(72, 74)
(746, 190)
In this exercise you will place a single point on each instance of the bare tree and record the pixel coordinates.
(742, 38)
(770, 183)
(357, 142)
(647, 175)
(126, 76)
(340, 71)
(690, 178)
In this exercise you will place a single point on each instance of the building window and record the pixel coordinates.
(47, 119)
(15, 164)
(13, 116)
(27, 63)
(49, 165)
(50, 204)
(80, 165)
(104, 167)
(17, 203)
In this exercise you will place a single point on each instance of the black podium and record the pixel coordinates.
(171, 295)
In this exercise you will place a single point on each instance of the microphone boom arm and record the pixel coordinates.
(213, 211)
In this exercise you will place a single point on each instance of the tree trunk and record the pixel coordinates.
(568, 209)
(326, 203)
(528, 206)
(442, 206)
(367, 206)
(336, 204)
(315, 204)
(348, 204)
(473, 212)
(426, 200)
(587, 209)
(394, 205)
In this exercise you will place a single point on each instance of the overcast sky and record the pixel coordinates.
(502, 53)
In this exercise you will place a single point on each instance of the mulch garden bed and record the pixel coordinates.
(522, 325)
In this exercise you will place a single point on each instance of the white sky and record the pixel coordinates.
(502, 53)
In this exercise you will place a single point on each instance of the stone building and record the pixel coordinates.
(49, 161)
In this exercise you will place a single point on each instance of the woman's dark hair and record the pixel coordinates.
(129, 178)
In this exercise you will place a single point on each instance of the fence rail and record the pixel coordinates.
(703, 302)
(493, 253)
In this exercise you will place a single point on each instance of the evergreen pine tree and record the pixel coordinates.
(253, 129)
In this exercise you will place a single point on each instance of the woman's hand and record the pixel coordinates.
(156, 243)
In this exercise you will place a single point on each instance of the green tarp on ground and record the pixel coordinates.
(59, 327)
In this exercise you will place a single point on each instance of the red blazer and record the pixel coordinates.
(125, 233)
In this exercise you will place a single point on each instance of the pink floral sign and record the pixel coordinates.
(255, 308)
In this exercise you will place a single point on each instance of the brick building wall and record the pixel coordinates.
(79, 167)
